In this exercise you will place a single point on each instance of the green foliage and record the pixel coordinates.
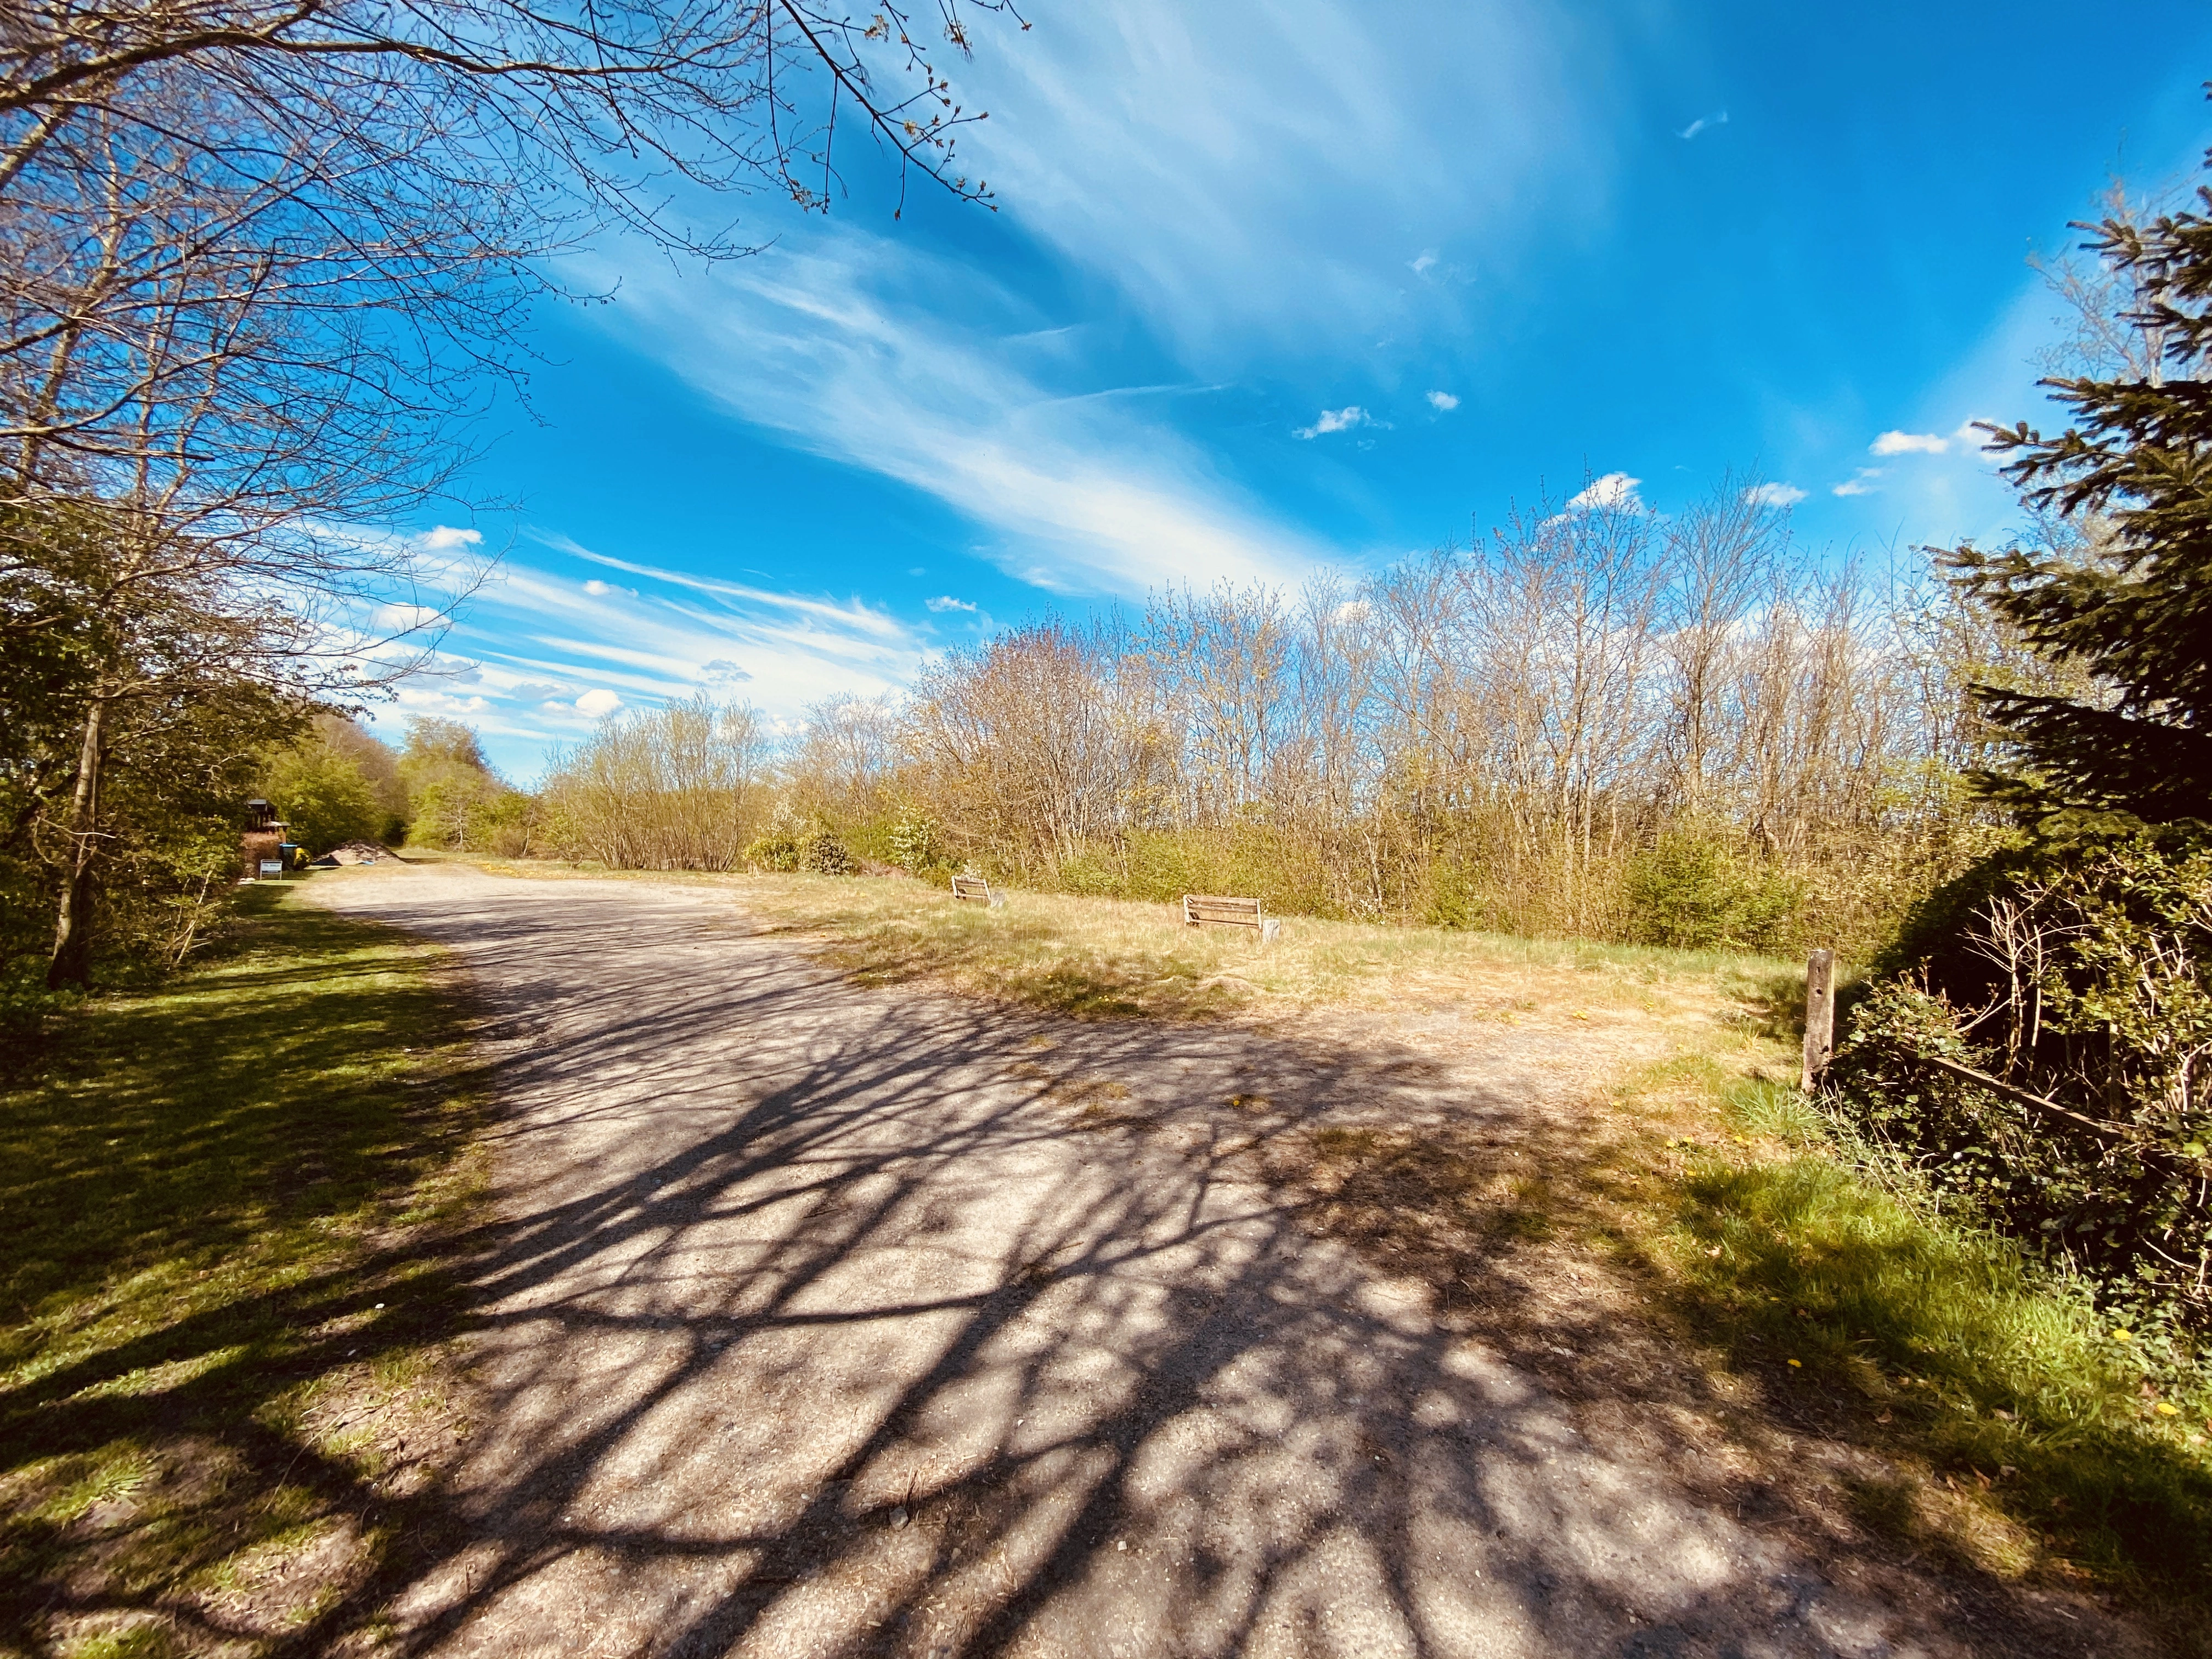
(1454, 896)
(208, 1190)
(917, 843)
(2134, 611)
(777, 851)
(459, 803)
(153, 664)
(2082, 977)
(823, 854)
(1985, 1359)
(378, 765)
(1692, 892)
(322, 796)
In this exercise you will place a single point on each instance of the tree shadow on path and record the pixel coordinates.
(817, 1319)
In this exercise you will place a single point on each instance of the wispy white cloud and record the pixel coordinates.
(1861, 485)
(848, 350)
(445, 538)
(1614, 492)
(1238, 170)
(1909, 443)
(853, 616)
(406, 618)
(1774, 494)
(1702, 123)
(537, 656)
(1424, 264)
(1336, 419)
(1442, 402)
(946, 602)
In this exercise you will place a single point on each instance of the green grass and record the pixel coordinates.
(1942, 1342)
(225, 1202)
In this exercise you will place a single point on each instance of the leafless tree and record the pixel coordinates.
(261, 261)
(679, 787)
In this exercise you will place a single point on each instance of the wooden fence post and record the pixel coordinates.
(1820, 1017)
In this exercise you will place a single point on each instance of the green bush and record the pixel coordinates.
(1455, 901)
(778, 851)
(823, 854)
(1691, 891)
(917, 844)
(2086, 982)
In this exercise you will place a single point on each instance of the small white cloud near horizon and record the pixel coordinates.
(1442, 402)
(1861, 485)
(1908, 443)
(946, 602)
(1336, 419)
(1774, 494)
(445, 538)
(1615, 492)
(1718, 119)
(598, 704)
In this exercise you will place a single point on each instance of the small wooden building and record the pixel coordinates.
(261, 851)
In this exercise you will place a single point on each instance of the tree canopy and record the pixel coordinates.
(2131, 609)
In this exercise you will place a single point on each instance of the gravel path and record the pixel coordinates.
(822, 1320)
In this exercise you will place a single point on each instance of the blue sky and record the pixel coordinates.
(1276, 288)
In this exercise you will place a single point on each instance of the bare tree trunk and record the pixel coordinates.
(71, 962)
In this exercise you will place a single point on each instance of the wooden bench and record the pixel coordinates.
(975, 888)
(1207, 910)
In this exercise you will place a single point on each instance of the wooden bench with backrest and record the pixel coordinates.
(975, 888)
(1209, 909)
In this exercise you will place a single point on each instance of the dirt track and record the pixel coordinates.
(820, 1320)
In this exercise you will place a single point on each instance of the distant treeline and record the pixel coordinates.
(1596, 720)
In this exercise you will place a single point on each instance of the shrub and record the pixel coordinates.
(2080, 987)
(1691, 891)
(825, 856)
(917, 843)
(778, 851)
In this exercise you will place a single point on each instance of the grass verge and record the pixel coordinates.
(228, 1202)
(1885, 1372)
(1870, 1314)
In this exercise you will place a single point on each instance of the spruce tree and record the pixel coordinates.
(2135, 615)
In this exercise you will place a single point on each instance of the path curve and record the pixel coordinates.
(824, 1320)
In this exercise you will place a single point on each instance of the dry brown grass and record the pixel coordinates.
(1109, 958)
